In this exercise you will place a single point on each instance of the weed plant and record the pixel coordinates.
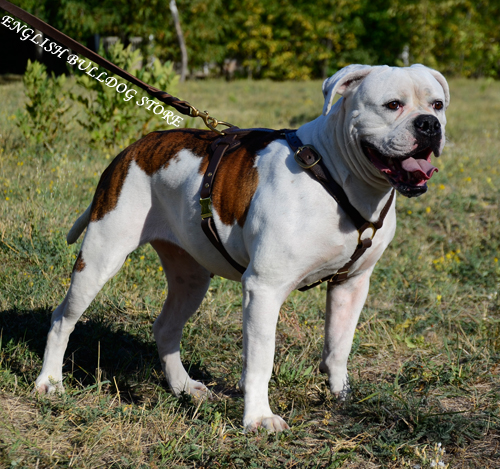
(425, 362)
(44, 116)
(109, 118)
(112, 119)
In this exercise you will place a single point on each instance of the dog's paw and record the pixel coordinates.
(274, 423)
(338, 380)
(342, 393)
(192, 388)
(48, 386)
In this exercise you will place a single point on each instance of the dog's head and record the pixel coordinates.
(396, 119)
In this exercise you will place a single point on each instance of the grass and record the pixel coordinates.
(425, 362)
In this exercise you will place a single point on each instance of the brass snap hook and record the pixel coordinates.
(210, 122)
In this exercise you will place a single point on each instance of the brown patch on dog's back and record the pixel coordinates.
(235, 182)
(151, 153)
(159, 148)
(79, 263)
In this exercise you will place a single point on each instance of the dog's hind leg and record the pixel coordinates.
(104, 250)
(188, 282)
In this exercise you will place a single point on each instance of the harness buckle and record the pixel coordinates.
(206, 208)
(366, 226)
(299, 160)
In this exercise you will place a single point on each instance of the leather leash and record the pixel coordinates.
(307, 158)
(182, 106)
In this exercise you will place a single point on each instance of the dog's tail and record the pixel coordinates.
(79, 226)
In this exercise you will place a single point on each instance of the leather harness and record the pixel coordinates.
(310, 160)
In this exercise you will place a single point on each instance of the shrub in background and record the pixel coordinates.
(109, 119)
(44, 115)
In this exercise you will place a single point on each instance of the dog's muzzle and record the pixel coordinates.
(409, 174)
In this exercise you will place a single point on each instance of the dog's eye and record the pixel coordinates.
(393, 105)
(438, 105)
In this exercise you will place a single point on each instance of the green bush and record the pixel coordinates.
(113, 118)
(44, 115)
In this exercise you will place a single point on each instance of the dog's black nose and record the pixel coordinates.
(427, 125)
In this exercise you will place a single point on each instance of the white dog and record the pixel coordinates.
(272, 217)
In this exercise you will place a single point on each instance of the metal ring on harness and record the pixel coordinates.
(364, 228)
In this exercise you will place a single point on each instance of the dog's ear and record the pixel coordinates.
(344, 79)
(441, 80)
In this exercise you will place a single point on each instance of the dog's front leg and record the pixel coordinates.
(343, 305)
(261, 305)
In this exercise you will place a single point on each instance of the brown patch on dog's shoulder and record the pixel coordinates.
(79, 263)
(237, 177)
(151, 153)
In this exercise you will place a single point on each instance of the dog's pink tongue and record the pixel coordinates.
(424, 168)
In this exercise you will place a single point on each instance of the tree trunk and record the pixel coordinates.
(180, 36)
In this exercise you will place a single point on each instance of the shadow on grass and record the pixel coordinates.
(129, 359)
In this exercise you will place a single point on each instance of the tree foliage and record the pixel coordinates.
(285, 39)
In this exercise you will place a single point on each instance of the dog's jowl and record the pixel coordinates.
(272, 216)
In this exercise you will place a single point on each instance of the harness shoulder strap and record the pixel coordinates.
(219, 148)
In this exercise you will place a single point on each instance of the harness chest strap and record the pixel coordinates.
(307, 157)
(219, 148)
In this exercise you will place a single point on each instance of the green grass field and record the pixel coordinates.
(425, 364)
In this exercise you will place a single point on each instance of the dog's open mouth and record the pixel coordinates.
(409, 175)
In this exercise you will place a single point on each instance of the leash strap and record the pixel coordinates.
(308, 158)
(182, 106)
